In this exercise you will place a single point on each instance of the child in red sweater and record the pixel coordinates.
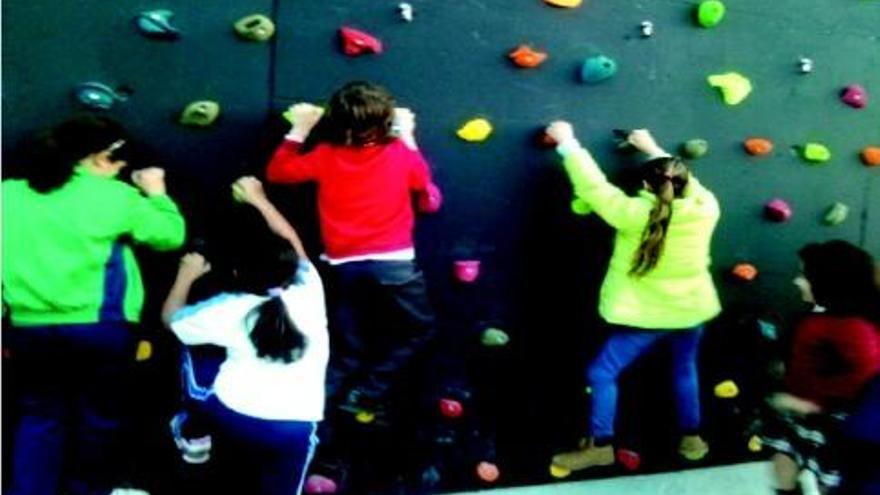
(362, 154)
(836, 351)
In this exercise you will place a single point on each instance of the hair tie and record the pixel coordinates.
(275, 292)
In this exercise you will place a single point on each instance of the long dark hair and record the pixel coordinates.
(667, 177)
(57, 151)
(843, 278)
(274, 334)
(358, 114)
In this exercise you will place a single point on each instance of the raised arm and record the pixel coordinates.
(192, 266)
(250, 190)
(155, 219)
(288, 165)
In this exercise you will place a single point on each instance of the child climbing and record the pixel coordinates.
(74, 291)
(835, 353)
(658, 286)
(268, 396)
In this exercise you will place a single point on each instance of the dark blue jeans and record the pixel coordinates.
(623, 347)
(259, 456)
(72, 381)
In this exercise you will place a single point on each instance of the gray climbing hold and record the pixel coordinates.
(97, 95)
(156, 24)
(255, 27)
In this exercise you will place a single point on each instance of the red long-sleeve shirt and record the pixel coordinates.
(364, 194)
(832, 358)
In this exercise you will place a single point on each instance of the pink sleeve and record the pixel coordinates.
(427, 193)
(288, 166)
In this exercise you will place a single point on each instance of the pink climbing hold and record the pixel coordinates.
(319, 484)
(356, 42)
(777, 210)
(451, 408)
(855, 96)
(467, 270)
(430, 200)
(630, 459)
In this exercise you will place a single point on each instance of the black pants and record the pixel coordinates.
(380, 317)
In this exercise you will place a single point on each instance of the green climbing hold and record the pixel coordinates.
(494, 337)
(836, 214)
(597, 69)
(710, 13)
(256, 27)
(816, 153)
(734, 86)
(580, 207)
(695, 148)
(200, 113)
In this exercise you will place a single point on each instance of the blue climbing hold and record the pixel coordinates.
(597, 69)
(156, 24)
(97, 96)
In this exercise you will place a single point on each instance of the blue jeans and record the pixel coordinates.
(72, 381)
(623, 347)
(259, 456)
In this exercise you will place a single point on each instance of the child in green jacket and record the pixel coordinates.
(658, 286)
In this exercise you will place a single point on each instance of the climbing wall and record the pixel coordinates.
(507, 202)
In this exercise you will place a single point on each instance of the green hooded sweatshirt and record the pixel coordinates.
(66, 254)
(679, 292)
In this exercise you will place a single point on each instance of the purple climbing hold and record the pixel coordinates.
(855, 96)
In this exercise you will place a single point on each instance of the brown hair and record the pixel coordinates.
(667, 177)
(358, 114)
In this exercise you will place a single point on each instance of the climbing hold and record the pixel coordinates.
(597, 69)
(317, 483)
(524, 56)
(768, 330)
(430, 200)
(777, 210)
(406, 11)
(806, 65)
(559, 471)
(97, 96)
(695, 148)
(744, 272)
(758, 146)
(467, 270)
(816, 153)
(144, 351)
(630, 459)
(734, 86)
(566, 4)
(494, 337)
(200, 113)
(431, 476)
(356, 42)
(365, 417)
(726, 389)
(475, 130)
(836, 214)
(580, 207)
(755, 443)
(871, 156)
(156, 24)
(588, 390)
(451, 408)
(647, 28)
(710, 13)
(255, 27)
(855, 96)
(488, 472)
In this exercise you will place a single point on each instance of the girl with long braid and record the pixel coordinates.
(657, 288)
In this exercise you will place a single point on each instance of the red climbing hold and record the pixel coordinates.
(467, 270)
(356, 42)
(631, 460)
(488, 472)
(451, 408)
(758, 146)
(744, 272)
(855, 96)
(524, 56)
(777, 210)
(317, 483)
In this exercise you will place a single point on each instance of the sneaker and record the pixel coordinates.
(585, 457)
(193, 450)
(693, 448)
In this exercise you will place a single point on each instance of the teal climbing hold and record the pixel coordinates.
(201, 113)
(156, 24)
(816, 153)
(255, 27)
(97, 95)
(710, 13)
(836, 214)
(695, 148)
(597, 69)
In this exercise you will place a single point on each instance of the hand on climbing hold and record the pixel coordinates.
(150, 180)
(560, 131)
(248, 189)
(305, 116)
(785, 402)
(193, 266)
(642, 140)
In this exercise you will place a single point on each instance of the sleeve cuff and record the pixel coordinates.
(568, 147)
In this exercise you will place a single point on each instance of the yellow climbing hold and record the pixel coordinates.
(726, 389)
(559, 471)
(475, 130)
(144, 351)
(734, 86)
(755, 443)
(566, 4)
(364, 417)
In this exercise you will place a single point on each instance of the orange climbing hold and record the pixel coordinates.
(871, 156)
(566, 4)
(488, 472)
(745, 272)
(527, 58)
(758, 146)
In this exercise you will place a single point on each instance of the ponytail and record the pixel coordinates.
(274, 334)
(667, 177)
